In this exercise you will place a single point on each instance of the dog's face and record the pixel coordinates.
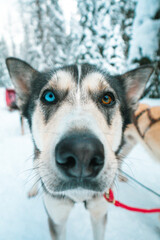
(77, 116)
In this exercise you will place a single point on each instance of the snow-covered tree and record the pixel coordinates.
(72, 42)
(122, 14)
(145, 48)
(4, 77)
(32, 13)
(54, 34)
(44, 25)
(106, 30)
(26, 46)
(94, 24)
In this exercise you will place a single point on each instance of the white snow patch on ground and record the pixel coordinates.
(23, 218)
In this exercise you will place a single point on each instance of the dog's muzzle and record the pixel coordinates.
(79, 156)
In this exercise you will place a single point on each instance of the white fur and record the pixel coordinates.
(58, 209)
(81, 114)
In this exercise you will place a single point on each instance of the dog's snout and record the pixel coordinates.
(80, 156)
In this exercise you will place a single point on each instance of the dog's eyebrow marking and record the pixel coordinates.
(61, 79)
(95, 81)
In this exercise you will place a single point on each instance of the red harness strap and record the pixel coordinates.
(110, 198)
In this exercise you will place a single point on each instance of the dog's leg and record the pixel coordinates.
(22, 124)
(58, 211)
(57, 232)
(98, 211)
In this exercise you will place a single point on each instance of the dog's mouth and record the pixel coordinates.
(72, 184)
(77, 186)
(77, 190)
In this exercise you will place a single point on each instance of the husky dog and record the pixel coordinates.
(77, 116)
(145, 129)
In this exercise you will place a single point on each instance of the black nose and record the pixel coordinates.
(80, 156)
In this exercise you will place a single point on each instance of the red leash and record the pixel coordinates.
(110, 198)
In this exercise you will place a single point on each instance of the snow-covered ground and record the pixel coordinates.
(25, 219)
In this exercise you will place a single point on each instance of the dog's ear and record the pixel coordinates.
(135, 82)
(22, 75)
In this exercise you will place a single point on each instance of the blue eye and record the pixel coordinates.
(49, 97)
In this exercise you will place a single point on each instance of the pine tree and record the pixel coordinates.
(94, 32)
(72, 42)
(54, 34)
(102, 40)
(44, 33)
(4, 77)
(145, 48)
(125, 10)
(32, 20)
(26, 45)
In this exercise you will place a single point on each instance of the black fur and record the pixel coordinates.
(19, 69)
(115, 82)
(41, 79)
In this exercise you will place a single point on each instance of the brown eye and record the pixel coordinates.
(108, 99)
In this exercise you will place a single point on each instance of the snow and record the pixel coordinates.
(149, 7)
(145, 31)
(23, 218)
(149, 46)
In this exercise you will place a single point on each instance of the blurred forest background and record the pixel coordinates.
(114, 34)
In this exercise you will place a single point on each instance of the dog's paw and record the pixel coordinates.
(122, 178)
(33, 192)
